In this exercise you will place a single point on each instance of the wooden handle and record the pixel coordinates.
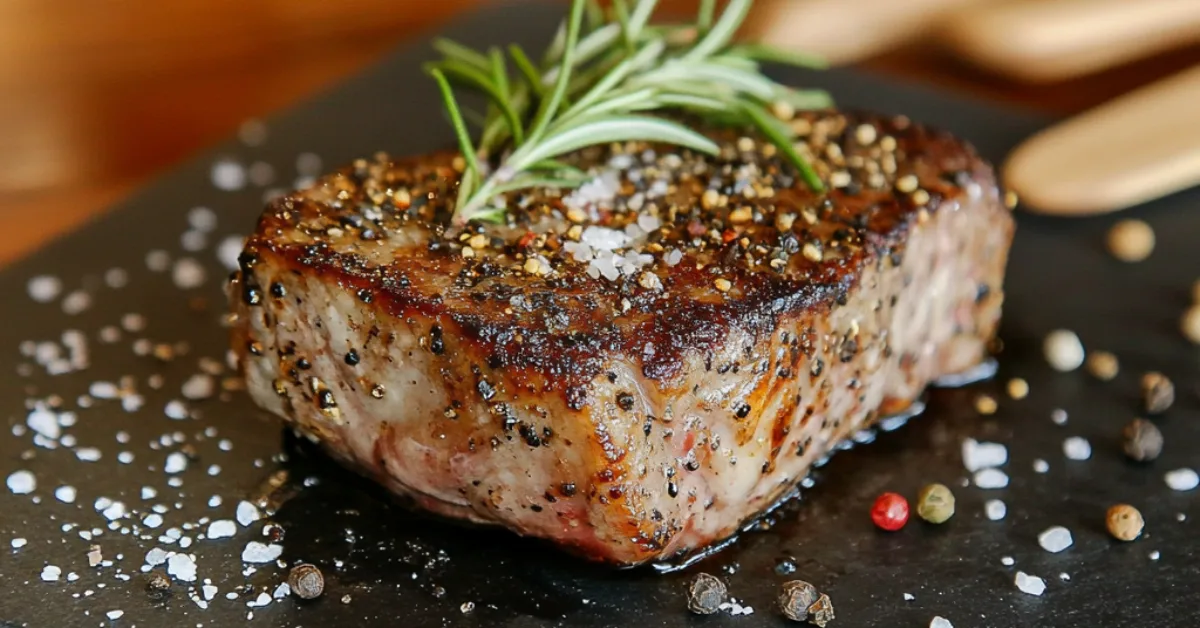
(1136, 148)
(843, 31)
(1048, 40)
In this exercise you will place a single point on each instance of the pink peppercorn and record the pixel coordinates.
(890, 512)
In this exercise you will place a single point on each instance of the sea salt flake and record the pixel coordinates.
(125, 457)
(1032, 585)
(940, 622)
(1155, 555)
(991, 478)
(214, 501)
(149, 492)
(256, 552)
(977, 455)
(1077, 448)
(281, 591)
(221, 529)
(1007, 561)
(44, 288)
(1055, 539)
(152, 520)
(50, 573)
(176, 463)
(115, 511)
(65, 494)
(22, 482)
(44, 422)
(995, 509)
(182, 566)
(87, 454)
(114, 614)
(18, 543)
(247, 513)
(1040, 466)
(103, 390)
(908, 597)
(1183, 479)
(176, 410)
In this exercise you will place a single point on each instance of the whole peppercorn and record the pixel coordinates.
(1158, 392)
(821, 611)
(890, 512)
(1124, 522)
(306, 581)
(935, 503)
(795, 598)
(157, 584)
(1143, 441)
(705, 594)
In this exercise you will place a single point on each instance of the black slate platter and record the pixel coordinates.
(386, 567)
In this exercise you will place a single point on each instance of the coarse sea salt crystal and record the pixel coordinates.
(1007, 561)
(1040, 466)
(221, 529)
(87, 454)
(114, 511)
(21, 482)
(103, 390)
(50, 573)
(977, 455)
(247, 513)
(182, 567)
(152, 520)
(188, 273)
(940, 622)
(262, 600)
(176, 463)
(44, 422)
(228, 175)
(256, 552)
(18, 543)
(1077, 448)
(214, 501)
(65, 494)
(991, 478)
(44, 288)
(228, 251)
(1155, 555)
(1183, 479)
(114, 614)
(1032, 585)
(176, 410)
(1055, 539)
(995, 509)
(281, 591)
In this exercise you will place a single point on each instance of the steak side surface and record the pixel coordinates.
(634, 369)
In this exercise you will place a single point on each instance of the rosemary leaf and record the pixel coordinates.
(771, 128)
(484, 83)
(454, 50)
(532, 77)
(550, 105)
(460, 127)
(758, 52)
(614, 129)
(722, 31)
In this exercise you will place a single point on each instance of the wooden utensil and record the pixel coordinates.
(1049, 40)
(843, 31)
(1138, 147)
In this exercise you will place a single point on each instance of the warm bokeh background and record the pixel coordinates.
(97, 96)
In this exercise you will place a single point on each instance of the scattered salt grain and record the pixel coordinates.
(908, 597)
(125, 457)
(176, 463)
(114, 614)
(87, 454)
(158, 260)
(202, 219)
(1032, 585)
(308, 164)
(103, 390)
(214, 501)
(940, 622)
(1040, 466)
(1154, 555)
(1007, 561)
(209, 591)
(133, 322)
(991, 478)
(261, 173)
(282, 591)
(114, 511)
(22, 482)
(156, 557)
(262, 600)
(44, 288)
(1055, 539)
(228, 251)
(182, 566)
(214, 469)
(221, 529)
(50, 573)
(176, 410)
(1064, 576)
(116, 278)
(76, 302)
(188, 273)
(149, 492)
(152, 520)
(256, 552)
(977, 455)
(247, 513)
(995, 509)
(65, 494)
(228, 175)
(199, 386)
(193, 241)
(44, 422)
(1077, 448)
(1183, 479)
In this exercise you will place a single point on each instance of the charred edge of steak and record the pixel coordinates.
(754, 244)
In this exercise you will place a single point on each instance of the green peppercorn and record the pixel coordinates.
(935, 503)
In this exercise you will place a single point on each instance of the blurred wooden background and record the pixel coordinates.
(98, 95)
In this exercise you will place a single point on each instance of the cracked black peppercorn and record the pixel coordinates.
(1143, 440)
(306, 581)
(157, 584)
(794, 599)
(705, 594)
(821, 611)
(352, 357)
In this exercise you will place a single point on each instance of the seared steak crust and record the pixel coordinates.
(509, 375)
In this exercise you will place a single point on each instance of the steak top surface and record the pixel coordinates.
(634, 368)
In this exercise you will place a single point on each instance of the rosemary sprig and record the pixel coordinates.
(608, 77)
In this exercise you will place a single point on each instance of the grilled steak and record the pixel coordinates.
(633, 369)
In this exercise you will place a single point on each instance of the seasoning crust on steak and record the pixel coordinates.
(633, 369)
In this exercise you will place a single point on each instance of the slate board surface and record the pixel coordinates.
(400, 569)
